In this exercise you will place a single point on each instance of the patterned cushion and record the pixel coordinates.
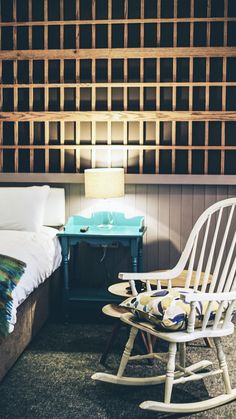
(167, 308)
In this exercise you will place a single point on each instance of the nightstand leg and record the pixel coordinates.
(134, 255)
(134, 264)
(140, 257)
(65, 262)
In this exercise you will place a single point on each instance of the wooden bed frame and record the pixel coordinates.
(31, 316)
(42, 302)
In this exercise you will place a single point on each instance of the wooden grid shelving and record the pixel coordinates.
(149, 85)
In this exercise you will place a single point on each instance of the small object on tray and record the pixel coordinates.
(84, 229)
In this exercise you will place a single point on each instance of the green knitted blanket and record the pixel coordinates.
(11, 270)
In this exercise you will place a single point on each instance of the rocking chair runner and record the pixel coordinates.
(211, 249)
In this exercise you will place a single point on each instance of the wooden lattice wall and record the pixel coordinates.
(149, 85)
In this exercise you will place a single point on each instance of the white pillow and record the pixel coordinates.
(55, 208)
(23, 208)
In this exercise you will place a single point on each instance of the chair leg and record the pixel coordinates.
(223, 365)
(170, 372)
(127, 351)
(182, 354)
(154, 339)
(110, 343)
(208, 342)
(150, 345)
(144, 341)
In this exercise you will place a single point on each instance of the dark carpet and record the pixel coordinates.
(52, 379)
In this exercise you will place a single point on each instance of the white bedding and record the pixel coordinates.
(40, 251)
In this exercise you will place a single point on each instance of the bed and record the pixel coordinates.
(40, 250)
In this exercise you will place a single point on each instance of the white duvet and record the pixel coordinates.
(40, 251)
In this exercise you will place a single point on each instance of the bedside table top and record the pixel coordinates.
(121, 226)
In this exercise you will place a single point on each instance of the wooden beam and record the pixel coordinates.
(119, 116)
(67, 178)
(119, 21)
(118, 53)
(113, 147)
(222, 83)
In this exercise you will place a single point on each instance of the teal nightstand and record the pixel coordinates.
(127, 232)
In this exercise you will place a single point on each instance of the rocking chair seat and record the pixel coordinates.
(113, 310)
(179, 336)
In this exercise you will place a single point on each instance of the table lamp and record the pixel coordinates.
(104, 184)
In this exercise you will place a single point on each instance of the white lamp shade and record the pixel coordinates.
(104, 183)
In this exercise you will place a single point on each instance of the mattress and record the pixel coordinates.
(41, 252)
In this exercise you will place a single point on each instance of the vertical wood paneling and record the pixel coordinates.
(210, 198)
(210, 195)
(198, 201)
(231, 194)
(170, 213)
(129, 198)
(141, 208)
(68, 200)
(222, 193)
(151, 218)
(186, 213)
(175, 223)
(87, 205)
(163, 227)
(198, 207)
(75, 198)
(231, 191)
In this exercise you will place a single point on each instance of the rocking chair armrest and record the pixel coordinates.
(221, 296)
(148, 276)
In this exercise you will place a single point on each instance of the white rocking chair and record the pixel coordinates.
(211, 248)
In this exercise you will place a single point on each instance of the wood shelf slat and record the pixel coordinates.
(149, 179)
(118, 21)
(122, 84)
(119, 116)
(57, 54)
(139, 147)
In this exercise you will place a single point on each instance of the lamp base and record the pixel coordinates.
(103, 220)
(105, 226)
